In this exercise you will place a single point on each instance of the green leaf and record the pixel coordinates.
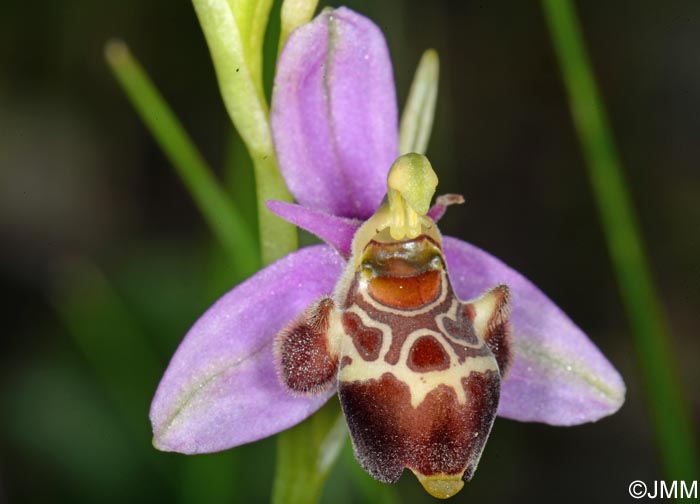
(419, 112)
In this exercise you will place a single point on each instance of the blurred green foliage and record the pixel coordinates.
(653, 343)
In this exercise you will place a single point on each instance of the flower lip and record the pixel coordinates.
(558, 375)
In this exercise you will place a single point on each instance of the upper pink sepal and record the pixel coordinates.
(334, 115)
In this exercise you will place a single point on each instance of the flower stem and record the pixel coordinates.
(234, 33)
(305, 455)
(651, 336)
(234, 38)
(277, 237)
(213, 202)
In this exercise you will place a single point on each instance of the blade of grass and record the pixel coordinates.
(652, 340)
(102, 328)
(216, 207)
(125, 364)
(112, 343)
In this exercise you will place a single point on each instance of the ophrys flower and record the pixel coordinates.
(334, 121)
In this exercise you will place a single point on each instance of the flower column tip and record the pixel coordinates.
(411, 184)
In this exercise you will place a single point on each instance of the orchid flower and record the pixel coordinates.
(274, 349)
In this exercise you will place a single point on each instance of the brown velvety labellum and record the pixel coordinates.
(417, 368)
(440, 436)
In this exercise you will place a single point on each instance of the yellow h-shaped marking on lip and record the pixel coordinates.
(410, 187)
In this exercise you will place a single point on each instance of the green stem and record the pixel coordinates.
(239, 73)
(305, 455)
(277, 236)
(228, 28)
(651, 336)
(214, 204)
(239, 179)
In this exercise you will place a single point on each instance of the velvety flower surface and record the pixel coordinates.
(334, 120)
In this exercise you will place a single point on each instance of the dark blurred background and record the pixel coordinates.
(105, 261)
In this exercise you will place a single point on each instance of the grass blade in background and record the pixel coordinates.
(217, 208)
(109, 338)
(674, 434)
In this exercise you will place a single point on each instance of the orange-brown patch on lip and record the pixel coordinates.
(404, 275)
(406, 292)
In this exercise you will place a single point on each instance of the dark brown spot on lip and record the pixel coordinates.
(367, 340)
(440, 436)
(462, 328)
(427, 354)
